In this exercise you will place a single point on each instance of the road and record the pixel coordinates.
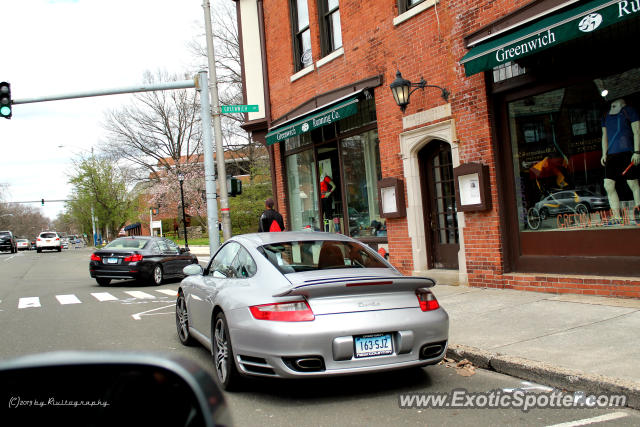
(49, 303)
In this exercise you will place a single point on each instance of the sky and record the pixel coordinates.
(53, 47)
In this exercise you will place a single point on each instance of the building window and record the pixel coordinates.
(332, 176)
(302, 57)
(563, 181)
(303, 191)
(361, 160)
(404, 5)
(330, 30)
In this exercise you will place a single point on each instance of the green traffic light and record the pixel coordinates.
(5, 111)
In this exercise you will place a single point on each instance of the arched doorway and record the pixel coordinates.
(439, 205)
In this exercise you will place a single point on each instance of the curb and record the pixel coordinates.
(544, 373)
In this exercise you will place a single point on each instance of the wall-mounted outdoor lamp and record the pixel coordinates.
(401, 90)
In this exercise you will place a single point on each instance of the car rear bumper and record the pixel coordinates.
(267, 348)
(98, 270)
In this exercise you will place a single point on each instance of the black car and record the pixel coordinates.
(8, 242)
(139, 257)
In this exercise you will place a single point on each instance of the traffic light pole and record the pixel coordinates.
(201, 84)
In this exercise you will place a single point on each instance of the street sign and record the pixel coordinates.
(239, 109)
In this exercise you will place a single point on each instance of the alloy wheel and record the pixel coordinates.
(221, 350)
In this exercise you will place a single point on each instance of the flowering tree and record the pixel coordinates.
(166, 190)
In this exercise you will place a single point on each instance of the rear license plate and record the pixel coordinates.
(112, 260)
(373, 345)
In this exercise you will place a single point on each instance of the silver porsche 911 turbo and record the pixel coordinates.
(307, 304)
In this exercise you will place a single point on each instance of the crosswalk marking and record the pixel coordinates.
(140, 294)
(29, 302)
(68, 299)
(34, 302)
(104, 296)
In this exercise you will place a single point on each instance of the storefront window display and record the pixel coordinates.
(303, 191)
(361, 159)
(337, 176)
(576, 152)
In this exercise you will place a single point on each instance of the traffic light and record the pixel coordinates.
(42, 202)
(234, 186)
(5, 100)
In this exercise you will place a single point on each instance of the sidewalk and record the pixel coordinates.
(571, 342)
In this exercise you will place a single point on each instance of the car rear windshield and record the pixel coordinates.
(4, 233)
(127, 243)
(292, 257)
(48, 235)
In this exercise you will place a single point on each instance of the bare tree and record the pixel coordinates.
(158, 132)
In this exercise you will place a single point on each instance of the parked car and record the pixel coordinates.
(48, 240)
(65, 243)
(571, 201)
(300, 305)
(23, 244)
(8, 242)
(139, 257)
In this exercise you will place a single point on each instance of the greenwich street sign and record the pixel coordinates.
(227, 109)
(313, 121)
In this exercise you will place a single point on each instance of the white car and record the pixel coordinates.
(49, 240)
(23, 244)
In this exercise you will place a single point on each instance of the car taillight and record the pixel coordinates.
(57, 238)
(133, 258)
(297, 311)
(39, 240)
(427, 300)
(95, 257)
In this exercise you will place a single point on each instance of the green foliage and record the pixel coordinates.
(99, 183)
(246, 208)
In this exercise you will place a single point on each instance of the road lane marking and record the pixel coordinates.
(587, 421)
(169, 292)
(68, 299)
(104, 296)
(11, 257)
(29, 302)
(137, 316)
(140, 294)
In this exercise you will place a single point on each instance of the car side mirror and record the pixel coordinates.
(192, 270)
(183, 250)
(108, 388)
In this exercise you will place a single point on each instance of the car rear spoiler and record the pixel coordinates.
(355, 286)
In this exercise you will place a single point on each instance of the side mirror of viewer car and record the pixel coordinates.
(192, 270)
(107, 388)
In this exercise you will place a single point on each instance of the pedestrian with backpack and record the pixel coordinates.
(270, 220)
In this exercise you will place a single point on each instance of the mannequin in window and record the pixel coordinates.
(621, 153)
(327, 186)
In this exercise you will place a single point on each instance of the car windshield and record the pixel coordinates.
(127, 243)
(4, 233)
(48, 235)
(22, 240)
(291, 257)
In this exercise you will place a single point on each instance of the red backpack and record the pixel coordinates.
(274, 226)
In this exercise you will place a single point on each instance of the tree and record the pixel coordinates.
(100, 183)
(24, 221)
(159, 131)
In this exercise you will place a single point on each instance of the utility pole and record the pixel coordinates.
(202, 85)
(217, 125)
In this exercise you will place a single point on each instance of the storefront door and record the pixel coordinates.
(439, 205)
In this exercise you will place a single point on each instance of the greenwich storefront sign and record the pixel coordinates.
(313, 121)
(551, 31)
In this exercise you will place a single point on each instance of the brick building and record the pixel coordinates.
(491, 175)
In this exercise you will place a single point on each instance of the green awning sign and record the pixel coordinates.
(313, 121)
(549, 32)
